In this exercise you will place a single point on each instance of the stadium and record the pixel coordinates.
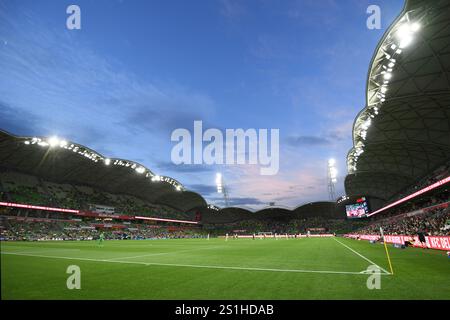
(135, 234)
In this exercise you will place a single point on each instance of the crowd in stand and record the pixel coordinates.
(41, 193)
(407, 219)
(295, 226)
(437, 175)
(29, 230)
(433, 222)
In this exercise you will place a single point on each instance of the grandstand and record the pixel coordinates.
(57, 196)
(401, 152)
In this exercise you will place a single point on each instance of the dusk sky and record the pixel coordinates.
(137, 70)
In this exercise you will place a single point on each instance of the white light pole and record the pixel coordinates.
(332, 179)
(221, 188)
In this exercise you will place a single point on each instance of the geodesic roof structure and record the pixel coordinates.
(403, 133)
(63, 161)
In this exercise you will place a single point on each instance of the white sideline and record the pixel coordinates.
(192, 265)
(367, 259)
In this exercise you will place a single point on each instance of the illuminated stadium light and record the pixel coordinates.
(53, 141)
(89, 154)
(219, 182)
(333, 172)
(156, 178)
(43, 144)
(140, 170)
(405, 34)
(332, 178)
(415, 27)
(343, 198)
(388, 75)
(213, 207)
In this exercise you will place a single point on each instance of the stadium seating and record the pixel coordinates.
(28, 229)
(26, 189)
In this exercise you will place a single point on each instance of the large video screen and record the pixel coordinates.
(360, 209)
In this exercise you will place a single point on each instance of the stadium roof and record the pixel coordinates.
(403, 133)
(63, 161)
(314, 209)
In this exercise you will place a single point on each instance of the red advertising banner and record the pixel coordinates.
(432, 242)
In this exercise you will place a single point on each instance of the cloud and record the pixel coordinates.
(19, 122)
(342, 132)
(243, 201)
(51, 82)
(203, 189)
(232, 8)
(296, 141)
(191, 168)
(309, 12)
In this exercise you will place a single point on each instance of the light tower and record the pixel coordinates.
(221, 188)
(332, 179)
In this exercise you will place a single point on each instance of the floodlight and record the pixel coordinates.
(405, 41)
(415, 27)
(53, 141)
(43, 144)
(140, 170)
(107, 162)
(219, 179)
(403, 31)
(388, 75)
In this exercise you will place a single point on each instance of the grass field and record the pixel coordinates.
(312, 268)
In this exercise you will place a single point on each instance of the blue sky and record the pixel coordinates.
(137, 70)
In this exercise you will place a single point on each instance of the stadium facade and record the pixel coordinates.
(403, 133)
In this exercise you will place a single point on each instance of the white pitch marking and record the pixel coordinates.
(192, 265)
(162, 253)
(367, 259)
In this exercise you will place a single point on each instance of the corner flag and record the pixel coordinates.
(387, 252)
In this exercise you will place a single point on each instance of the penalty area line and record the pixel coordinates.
(365, 258)
(192, 265)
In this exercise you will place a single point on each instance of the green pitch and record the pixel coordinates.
(313, 268)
